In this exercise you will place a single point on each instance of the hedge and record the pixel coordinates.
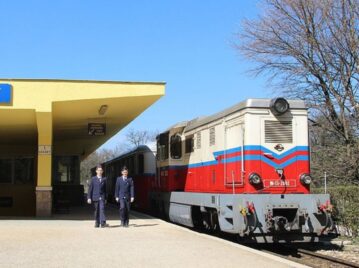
(345, 200)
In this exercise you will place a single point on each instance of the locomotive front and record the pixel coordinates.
(276, 165)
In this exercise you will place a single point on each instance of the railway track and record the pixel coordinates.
(328, 260)
(307, 256)
(302, 253)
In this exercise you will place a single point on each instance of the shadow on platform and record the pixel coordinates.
(85, 213)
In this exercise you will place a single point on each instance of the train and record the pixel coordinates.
(244, 171)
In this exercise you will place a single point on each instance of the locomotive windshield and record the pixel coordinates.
(176, 146)
(162, 146)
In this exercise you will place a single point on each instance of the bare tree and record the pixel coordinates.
(309, 48)
(97, 157)
(139, 137)
(328, 155)
(134, 137)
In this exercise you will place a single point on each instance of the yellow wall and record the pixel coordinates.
(16, 150)
(44, 127)
(23, 200)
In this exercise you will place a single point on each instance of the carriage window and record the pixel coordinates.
(126, 163)
(212, 136)
(122, 164)
(109, 171)
(131, 165)
(176, 146)
(158, 151)
(189, 144)
(199, 140)
(141, 164)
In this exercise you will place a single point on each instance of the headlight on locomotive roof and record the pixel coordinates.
(255, 179)
(279, 106)
(305, 179)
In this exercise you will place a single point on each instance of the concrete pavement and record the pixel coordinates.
(70, 240)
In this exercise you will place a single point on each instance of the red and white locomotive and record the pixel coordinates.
(244, 170)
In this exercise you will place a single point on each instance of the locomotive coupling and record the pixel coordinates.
(276, 223)
(284, 218)
(281, 223)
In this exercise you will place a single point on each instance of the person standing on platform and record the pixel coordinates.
(97, 195)
(124, 194)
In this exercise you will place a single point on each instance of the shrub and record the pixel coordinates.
(345, 200)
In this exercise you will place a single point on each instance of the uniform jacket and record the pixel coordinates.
(97, 189)
(124, 189)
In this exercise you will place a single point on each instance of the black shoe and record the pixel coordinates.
(103, 225)
(97, 225)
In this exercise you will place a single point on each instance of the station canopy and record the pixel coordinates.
(82, 114)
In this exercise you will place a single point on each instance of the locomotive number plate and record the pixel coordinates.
(279, 183)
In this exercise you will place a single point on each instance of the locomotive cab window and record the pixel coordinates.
(162, 146)
(176, 146)
(189, 144)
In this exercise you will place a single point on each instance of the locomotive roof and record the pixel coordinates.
(249, 103)
(177, 125)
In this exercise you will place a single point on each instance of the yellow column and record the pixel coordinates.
(44, 163)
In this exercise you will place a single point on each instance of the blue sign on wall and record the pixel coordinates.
(5, 94)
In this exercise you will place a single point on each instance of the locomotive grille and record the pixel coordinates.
(199, 140)
(212, 136)
(278, 132)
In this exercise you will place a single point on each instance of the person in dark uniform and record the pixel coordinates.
(97, 195)
(124, 194)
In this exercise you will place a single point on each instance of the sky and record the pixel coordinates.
(187, 44)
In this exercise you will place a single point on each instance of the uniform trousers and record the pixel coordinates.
(125, 206)
(100, 217)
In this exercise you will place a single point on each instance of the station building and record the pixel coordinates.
(48, 126)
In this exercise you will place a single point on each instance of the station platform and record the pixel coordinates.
(70, 240)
